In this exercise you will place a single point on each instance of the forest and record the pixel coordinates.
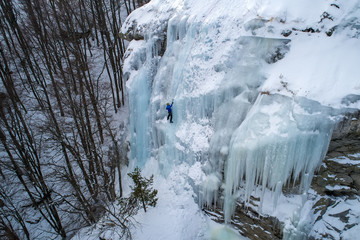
(61, 86)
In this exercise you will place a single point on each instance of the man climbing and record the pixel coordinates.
(168, 108)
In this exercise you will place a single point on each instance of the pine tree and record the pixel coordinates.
(142, 192)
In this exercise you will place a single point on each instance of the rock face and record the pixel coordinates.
(346, 133)
(250, 224)
(337, 184)
(335, 191)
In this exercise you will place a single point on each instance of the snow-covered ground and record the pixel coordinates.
(257, 88)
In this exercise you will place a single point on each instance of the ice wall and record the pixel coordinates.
(143, 60)
(214, 68)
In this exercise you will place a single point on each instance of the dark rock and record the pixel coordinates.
(322, 204)
(346, 130)
(286, 33)
(326, 15)
(343, 149)
(309, 30)
(343, 180)
(340, 192)
(322, 182)
(250, 224)
(338, 181)
(348, 226)
(133, 33)
(134, 36)
(279, 52)
(356, 179)
(343, 216)
(334, 154)
(330, 32)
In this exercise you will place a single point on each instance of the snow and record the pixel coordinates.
(253, 110)
(177, 217)
(326, 80)
(194, 135)
(337, 187)
(338, 228)
(356, 155)
(344, 160)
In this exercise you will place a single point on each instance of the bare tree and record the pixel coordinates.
(61, 77)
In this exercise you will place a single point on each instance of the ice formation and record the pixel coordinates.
(282, 140)
(247, 134)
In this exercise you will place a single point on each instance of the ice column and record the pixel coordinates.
(282, 140)
(144, 61)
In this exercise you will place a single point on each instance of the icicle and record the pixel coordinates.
(274, 143)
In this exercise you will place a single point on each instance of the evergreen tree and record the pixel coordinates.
(142, 192)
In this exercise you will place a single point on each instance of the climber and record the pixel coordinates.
(168, 108)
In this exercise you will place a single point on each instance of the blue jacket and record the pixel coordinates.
(168, 107)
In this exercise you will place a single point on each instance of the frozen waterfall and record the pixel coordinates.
(281, 140)
(247, 140)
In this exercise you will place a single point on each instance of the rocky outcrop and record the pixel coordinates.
(249, 223)
(337, 183)
(346, 131)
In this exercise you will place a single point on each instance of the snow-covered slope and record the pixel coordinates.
(258, 87)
